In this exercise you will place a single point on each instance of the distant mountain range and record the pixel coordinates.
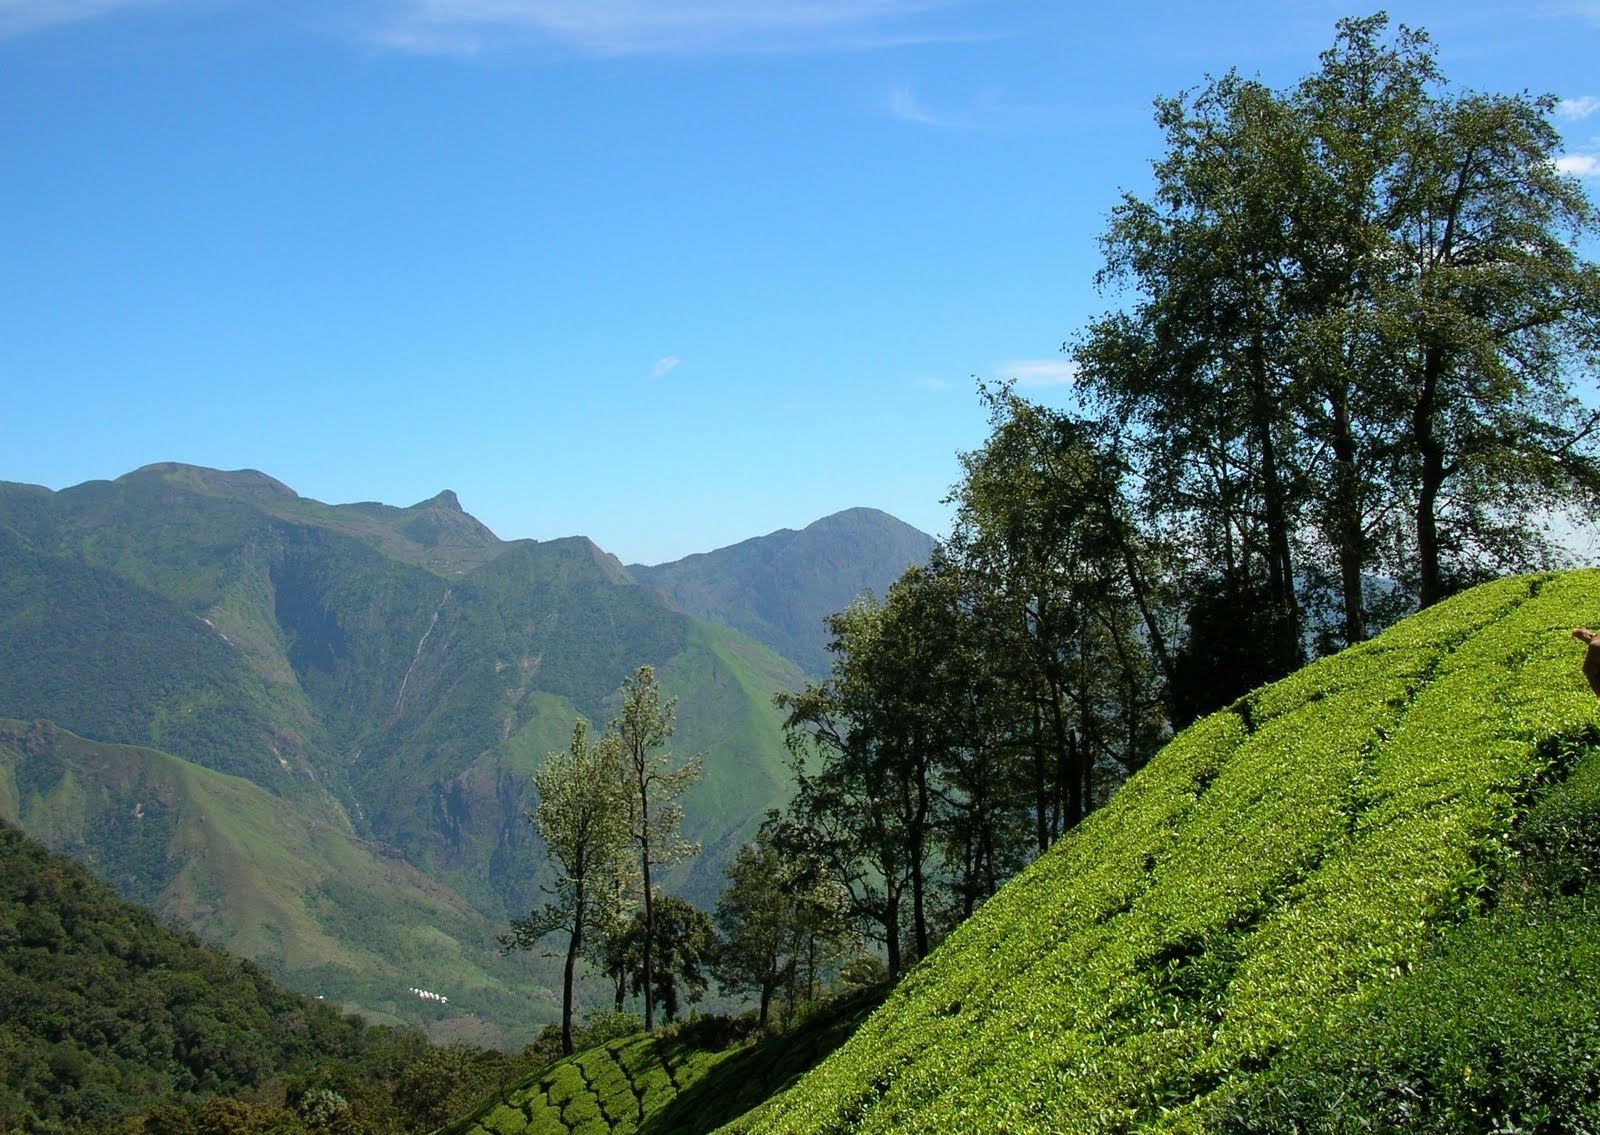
(779, 588)
(308, 729)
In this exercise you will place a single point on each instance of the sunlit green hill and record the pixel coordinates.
(1287, 901)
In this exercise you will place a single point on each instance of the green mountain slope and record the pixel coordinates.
(255, 874)
(105, 1012)
(779, 588)
(1276, 868)
(397, 674)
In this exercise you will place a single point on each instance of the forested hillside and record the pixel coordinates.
(262, 877)
(105, 1012)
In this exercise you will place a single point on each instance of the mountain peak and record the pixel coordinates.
(446, 500)
(779, 588)
(239, 483)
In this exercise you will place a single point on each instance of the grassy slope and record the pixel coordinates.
(724, 684)
(256, 874)
(1275, 863)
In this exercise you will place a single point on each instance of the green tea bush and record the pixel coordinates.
(563, 1083)
(1498, 1031)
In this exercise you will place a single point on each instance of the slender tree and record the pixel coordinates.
(581, 816)
(652, 787)
(778, 909)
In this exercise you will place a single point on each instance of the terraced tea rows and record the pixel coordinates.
(687, 1081)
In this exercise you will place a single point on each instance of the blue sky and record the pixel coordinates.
(668, 274)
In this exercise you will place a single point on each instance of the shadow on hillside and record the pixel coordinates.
(750, 1078)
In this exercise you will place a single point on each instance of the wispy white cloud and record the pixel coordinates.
(985, 109)
(1038, 372)
(18, 17)
(904, 105)
(638, 27)
(1582, 165)
(663, 365)
(1578, 108)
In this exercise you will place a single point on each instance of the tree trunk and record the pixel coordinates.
(918, 836)
(1041, 800)
(891, 929)
(1431, 580)
(574, 945)
(1280, 566)
(649, 953)
(1347, 520)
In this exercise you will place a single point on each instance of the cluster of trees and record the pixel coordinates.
(1358, 309)
(609, 815)
(1342, 389)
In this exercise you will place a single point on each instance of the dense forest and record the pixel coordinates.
(108, 1017)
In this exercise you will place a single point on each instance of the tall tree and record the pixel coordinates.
(1358, 311)
(1196, 367)
(582, 817)
(861, 795)
(1068, 592)
(652, 786)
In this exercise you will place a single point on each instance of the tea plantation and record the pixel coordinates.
(693, 1078)
(1328, 907)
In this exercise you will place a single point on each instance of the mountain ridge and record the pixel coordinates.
(397, 673)
(779, 588)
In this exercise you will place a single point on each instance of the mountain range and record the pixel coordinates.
(307, 730)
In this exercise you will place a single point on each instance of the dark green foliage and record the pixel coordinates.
(1231, 646)
(779, 920)
(104, 1012)
(681, 958)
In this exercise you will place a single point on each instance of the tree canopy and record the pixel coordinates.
(1358, 312)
